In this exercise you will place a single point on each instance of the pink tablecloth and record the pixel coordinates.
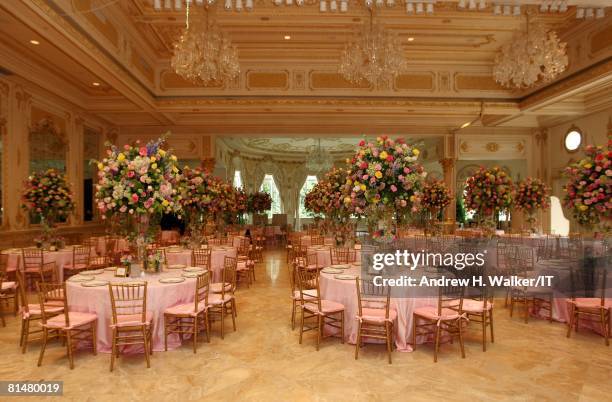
(159, 298)
(324, 255)
(345, 292)
(61, 258)
(237, 240)
(217, 259)
(170, 236)
(100, 245)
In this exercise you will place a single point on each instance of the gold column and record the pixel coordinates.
(448, 167)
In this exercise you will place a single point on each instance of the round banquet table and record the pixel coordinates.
(345, 292)
(324, 255)
(60, 257)
(238, 239)
(170, 236)
(100, 245)
(307, 241)
(160, 296)
(217, 258)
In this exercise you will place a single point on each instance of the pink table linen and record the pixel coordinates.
(159, 297)
(100, 245)
(217, 259)
(237, 239)
(324, 255)
(60, 257)
(170, 236)
(345, 292)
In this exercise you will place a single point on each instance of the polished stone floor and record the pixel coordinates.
(263, 361)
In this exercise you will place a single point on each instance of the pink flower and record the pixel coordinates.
(143, 151)
(393, 188)
(135, 197)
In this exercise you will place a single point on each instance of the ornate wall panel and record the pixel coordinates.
(492, 147)
(465, 82)
(171, 80)
(332, 80)
(415, 81)
(267, 80)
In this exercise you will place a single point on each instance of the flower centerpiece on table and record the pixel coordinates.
(138, 183)
(241, 204)
(532, 195)
(588, 192)
(435, 198)
(198, 193)
(259, 202)
(385, 183)
(328, 198)
(47, 194)
(489, 191)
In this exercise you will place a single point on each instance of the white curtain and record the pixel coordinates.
(252, 175)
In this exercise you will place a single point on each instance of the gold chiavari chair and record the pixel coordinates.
(588, 299)
(258, 248)
(74, 326)
(536, 298)
(131, 323)
(317, 240)
(300, 250)
(342, 255)
(445, 317)
(375, 318)
(296, 295)
(31, 313)
(223, 303)
(190, 318)
(80, 261)
(478, 302)
(35, 267)
(200, 257)
(324, 312)
(215, 241)
(159, 252)
(8, 289)
(310, 262)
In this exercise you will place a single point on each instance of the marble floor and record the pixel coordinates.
(263, 361)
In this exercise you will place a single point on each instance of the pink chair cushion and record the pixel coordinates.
(34, 309)
(132, 320)
(216, 299)
(431, 313)
(216, 287)
(377, 315)
(76, 318)
(186, 309)
(475, 306)
(590, 302)
(242, 266)
(327, 307)
(9, 285)
(310, 267)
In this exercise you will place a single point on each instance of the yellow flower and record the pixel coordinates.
(173, 157)
(165, 203)
(161, 152)
(383, 155)
(412, 198)
(378, 174)
(153, 159)
(362, 187)
(100, 166)
(416, 152)
(349, 181)
(120, 157)
(347, 200)
(588, 166)
(154, 166)
(583, 207)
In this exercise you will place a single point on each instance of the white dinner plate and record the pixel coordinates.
(191, 274)
(92, 284)
(194, 269)
(340, 266)
(92, 272)
(177, 266)
(172, 280)
(331, 271)
(79, 278)
(173, 250)
(345, 277)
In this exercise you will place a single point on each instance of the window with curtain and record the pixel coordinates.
(310, 182)
(237, 179)
(269, 186)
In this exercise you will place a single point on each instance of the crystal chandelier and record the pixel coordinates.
(204, 54)
(534, 54)
(374, 56)
(319, 160)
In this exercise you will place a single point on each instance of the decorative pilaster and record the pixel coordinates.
(74, 167)
(448, 168)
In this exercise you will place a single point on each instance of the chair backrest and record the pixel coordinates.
(21, 288)
(244, 246)
(128, 299)
(202, 289)
(317, 240)
(372, 297)
(450, 296)
(308, 279)
(81, 255)
(588, 281)
(343, 255)
(201, 258)
(52, 295)
(32, 258)
(3, 267)
(230, 264)
(475, 291)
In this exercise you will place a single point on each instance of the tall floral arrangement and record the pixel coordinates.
(489, 191)
(198, 192)
(435, 197)
(259, 202)
(588, 192)
(385, 180)
(47, 194)
(313, 201)
(138, 182)
(531, 195)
